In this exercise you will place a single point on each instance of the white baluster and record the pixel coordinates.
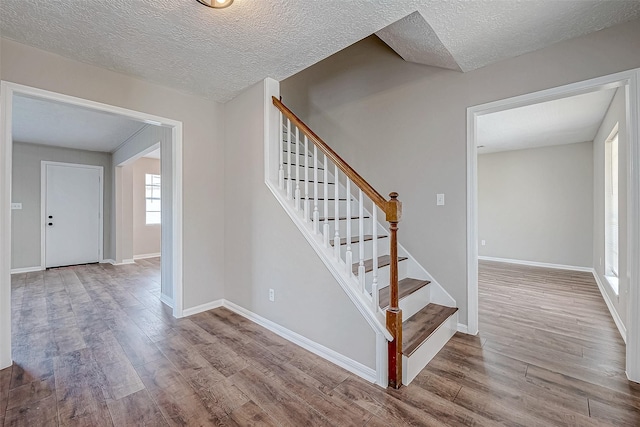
(297, 193)
(349, 254)
(281, 167)
(306, 179)
(361, 269)
(336, 235)
(325, 227)
(289, 159)
(316, 214)
(374, 285)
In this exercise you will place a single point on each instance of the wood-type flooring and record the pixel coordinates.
(94, 346)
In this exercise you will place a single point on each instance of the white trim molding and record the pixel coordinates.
(26, 269)
(203, 307)
(463, 329)
(612, 309)
(166, 300)
(355, 367)
(332, 356)
(628, 79)
(145, 256)
(537, 264)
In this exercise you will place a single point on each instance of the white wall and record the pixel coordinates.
(537, 204)
(25, 188)
(146, 237)
(203, 148)
(616, 114)
(264, 249)
(403, 126)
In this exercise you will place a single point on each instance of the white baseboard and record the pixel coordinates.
(463, 328)
(537, 264)
(202, 307)
(611, 307)
(332, 356)
(145, 256)
(26, 270)
(108, 261)
(166, 300)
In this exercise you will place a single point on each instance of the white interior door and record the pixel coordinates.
(72, 214)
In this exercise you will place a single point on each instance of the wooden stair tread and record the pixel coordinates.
(302, 166)
(341, 218)
(422, 325)
(383, 261)
(405, 287)
(302, 180)
(331, 199)
(356, 239)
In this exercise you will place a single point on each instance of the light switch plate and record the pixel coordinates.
(16, 205)
(440, 199)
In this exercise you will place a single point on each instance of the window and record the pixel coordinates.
(152, 194)
(611, 210)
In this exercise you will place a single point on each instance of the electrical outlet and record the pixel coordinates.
(272, 295)
(440, 199)
(484, 243)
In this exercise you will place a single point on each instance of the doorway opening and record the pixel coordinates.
(627, 83)
(171, 243)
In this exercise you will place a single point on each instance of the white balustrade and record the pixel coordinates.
(336, 236)
(361, 269)
(349, 255)
(316, 225)
(306, 179)
(374, 236)
(325, 227)
(297, 193)
(289, 183)
(281, 166)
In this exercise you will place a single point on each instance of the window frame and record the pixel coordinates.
(154, 188)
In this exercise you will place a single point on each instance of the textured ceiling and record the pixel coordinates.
(216, 53)
(44, 122)
(562, 121)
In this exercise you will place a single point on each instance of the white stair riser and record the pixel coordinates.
(383, 249)
(384, 274)
(411, 366)
(343, 226)
(413, 303)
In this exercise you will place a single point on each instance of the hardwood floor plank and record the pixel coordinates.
(251, 415)
(136, 409)
(286, 408)
(40, 413)
(93, 345)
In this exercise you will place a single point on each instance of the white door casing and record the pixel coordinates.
(71, 214)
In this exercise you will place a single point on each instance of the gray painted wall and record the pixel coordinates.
(403, 126)
(25, 223)
(537, 204)
(146, 238)
(616, 114)
(264, 249)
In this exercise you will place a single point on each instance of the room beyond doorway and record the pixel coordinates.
(172, 245)
(626, 81)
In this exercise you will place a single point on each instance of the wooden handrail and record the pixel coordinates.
(392, 209)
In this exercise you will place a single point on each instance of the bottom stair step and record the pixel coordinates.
(422, 325)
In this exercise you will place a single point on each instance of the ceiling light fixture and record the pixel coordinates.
(216, 4)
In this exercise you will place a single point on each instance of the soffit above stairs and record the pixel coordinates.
(218, 53)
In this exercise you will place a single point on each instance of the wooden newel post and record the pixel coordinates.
(394, 314)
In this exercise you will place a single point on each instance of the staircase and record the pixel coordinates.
(338, 213)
